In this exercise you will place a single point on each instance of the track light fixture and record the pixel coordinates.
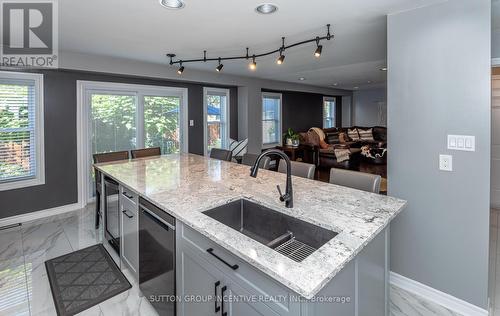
(281, 59)
(319, 48)
(253, 64)
(181, 69)
(219, 67)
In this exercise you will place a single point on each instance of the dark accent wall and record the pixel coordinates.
(60, 98)
(303, 110)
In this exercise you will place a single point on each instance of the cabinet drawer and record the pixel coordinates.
(246, 276)
(128, 195)
(130, 240)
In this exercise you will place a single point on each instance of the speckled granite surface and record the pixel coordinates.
(186, 185)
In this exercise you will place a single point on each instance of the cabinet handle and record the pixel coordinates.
(217, 308)
(128, 195)
(223, 290)
(126, 214)
(211, 251)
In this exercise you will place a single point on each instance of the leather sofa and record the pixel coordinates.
(326, 158)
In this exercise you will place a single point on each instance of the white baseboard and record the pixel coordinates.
(446, 300)
(39, 214)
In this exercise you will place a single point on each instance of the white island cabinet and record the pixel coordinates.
(215, 285)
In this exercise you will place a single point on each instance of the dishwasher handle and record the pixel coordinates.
(156, 218)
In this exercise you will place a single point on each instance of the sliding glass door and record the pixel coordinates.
(113, 122)
(124, 117)
(162, 123)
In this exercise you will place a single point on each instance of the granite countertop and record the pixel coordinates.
(185, 185)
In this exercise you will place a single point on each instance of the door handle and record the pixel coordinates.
(126, 214)
(211, 251)
(217, 308)
(223, 290)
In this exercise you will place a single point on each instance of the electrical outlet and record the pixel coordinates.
(446, 162)
(191, 122)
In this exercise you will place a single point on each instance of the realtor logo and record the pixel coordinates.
(29, 34)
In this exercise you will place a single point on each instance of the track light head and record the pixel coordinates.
(280, 59)
(317, 52)
(253, 64)
(180, 70)
(219, 68)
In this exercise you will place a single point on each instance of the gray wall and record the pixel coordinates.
(366, 107)
(303, 110)
(346, 111)
(61, 187)
(439, 84)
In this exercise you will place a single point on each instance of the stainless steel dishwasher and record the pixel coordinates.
(157, 257)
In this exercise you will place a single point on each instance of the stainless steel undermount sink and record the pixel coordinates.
(289, 236)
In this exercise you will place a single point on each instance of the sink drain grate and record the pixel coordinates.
(295, 250)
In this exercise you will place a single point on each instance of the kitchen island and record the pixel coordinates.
(347, 275)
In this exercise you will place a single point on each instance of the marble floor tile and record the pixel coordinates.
(80, 231)
(403, 303)
(13, 284)
(41, 243)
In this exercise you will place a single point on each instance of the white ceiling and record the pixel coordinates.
(144, 30)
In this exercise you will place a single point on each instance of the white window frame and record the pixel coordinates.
(280, 128)
(86, 88)
(206, 91)
(330, 99)
(39, 151)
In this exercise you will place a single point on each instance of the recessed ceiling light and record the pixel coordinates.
(335, 84)
(368, 81)
(383, 69)
(356, 87)
(172, 4)
(266, 8)
(302, 78)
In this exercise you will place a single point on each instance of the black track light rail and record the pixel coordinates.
(280, 50)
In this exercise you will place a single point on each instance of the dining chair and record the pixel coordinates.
(145, 152)
(356, 180)
(221, 154)
(249, 160)
(98, 158)
(299, 169)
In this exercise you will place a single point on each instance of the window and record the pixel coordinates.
(271, 119)
(126, 116)
(216, 121)
(21, 130)
(328, 112)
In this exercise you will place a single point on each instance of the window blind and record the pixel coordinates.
(271, 119)
(17, 130)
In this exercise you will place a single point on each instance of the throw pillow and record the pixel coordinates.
(332, 138)
(353, 133)
(343, 138)
(366, 134)
(239, 148)
(323, 144)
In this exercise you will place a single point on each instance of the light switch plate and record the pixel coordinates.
(446, 162)
(191, 122)
(462, 142)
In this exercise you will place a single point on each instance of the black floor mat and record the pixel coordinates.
(84, 278)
